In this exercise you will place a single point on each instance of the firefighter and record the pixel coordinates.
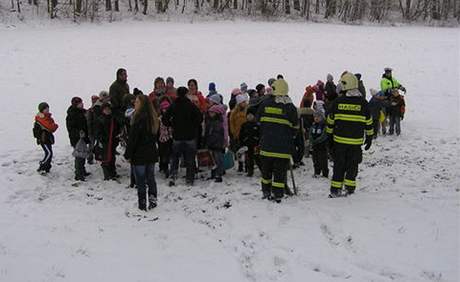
(278, 120)
(347, 124)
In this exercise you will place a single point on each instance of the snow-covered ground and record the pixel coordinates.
(402, 225)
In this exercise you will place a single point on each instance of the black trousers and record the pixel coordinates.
(165, 151)
(80, 170)
(45, 164)
(346, 161)
(274, 175)
(251, 159)
(320, 163)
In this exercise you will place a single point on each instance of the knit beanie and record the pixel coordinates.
(241, 98)
(212, 87)
(216, 99)
(42, 106)
(330, 78)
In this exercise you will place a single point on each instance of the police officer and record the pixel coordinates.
(347, 124)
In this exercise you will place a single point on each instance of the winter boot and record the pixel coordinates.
(152, 203)
(218, 179)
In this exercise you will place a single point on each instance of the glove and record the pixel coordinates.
(402, 117)
(368, 143)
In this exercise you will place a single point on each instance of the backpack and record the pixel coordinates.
(37, 131)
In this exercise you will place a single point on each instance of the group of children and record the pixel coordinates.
(96, 133)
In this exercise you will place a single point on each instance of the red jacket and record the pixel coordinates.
(46, 122)
(307, 100)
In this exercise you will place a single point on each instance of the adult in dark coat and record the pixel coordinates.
(185, 119)
(117, 92)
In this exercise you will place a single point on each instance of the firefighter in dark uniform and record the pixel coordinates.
(347, 123)
(278, 120)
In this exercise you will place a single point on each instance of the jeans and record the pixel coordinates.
(145, 176)
(188, 150)
(395, 121)
(218, 156)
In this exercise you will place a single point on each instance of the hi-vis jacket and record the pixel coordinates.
(278, 120)
(349, 120)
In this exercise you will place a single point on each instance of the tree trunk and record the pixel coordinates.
(235, 4)
(136, 6)
(297, 5)
(116, 7)
(317, 7)
(78, 7)
(146, 3)
(19, 6)
(287, 7)
(108, 5)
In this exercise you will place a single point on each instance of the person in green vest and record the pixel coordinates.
(388, 82)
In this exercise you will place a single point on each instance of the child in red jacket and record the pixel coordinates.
(43, 130)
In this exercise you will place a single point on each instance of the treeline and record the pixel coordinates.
(349, 11)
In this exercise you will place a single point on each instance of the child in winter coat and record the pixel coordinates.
(307, 99)
(76, 126)
(43, 130)
(396, 111)
(237, 118)
(375, 108)
(318, 141)
(80, 153)
(215, 139)
(165, 140)
(319, 91)
(250, 136)
(106, 134)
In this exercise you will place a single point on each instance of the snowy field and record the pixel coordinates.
(402, 225)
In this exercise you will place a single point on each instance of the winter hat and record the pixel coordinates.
(42, 106)
(358, 76)
(387, 69)
(169, 80)
(164, 105)
(319, 114)
(94, 99)
(280, 87)
(212, 87)
(320, 84)
(279, 76)
(241, 98)
(252, 93)
(76, 101)
(236, 92)
(330, 78)
(216, 99)
(182, 91)
(271, 81)
(243, 87)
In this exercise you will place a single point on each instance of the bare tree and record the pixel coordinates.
(331, 7)
(146, 3)
(108, 5)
